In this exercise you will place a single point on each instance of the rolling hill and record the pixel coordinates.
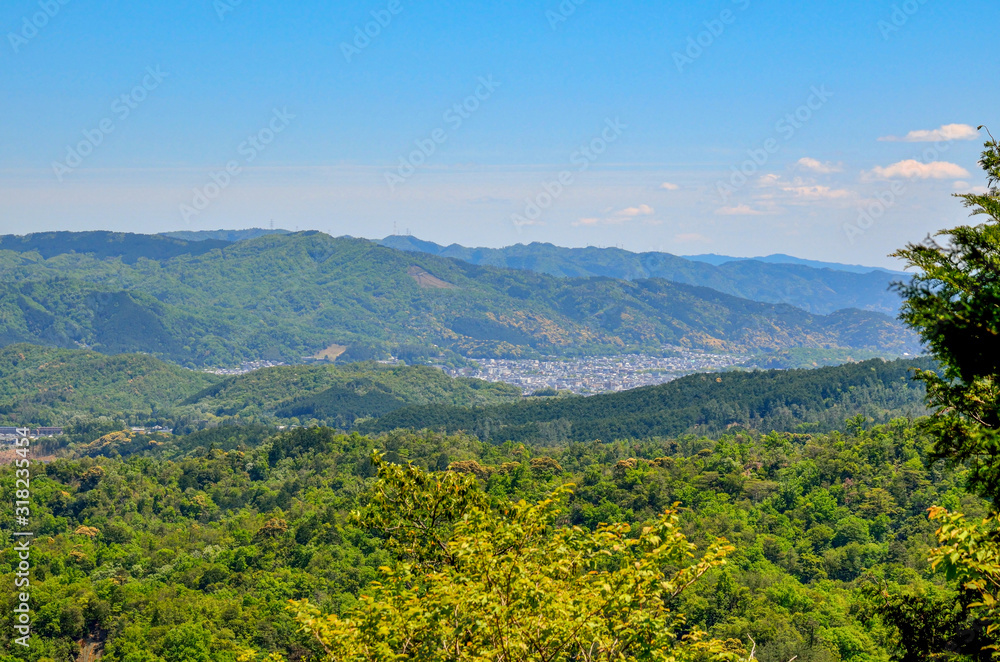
(50, 386)
(288, 296)
(337, 395)
(816, 287)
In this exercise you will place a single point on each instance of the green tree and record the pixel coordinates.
(954, 303)
(509, 583)
(187, 643)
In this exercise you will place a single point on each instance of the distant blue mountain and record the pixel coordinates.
(781, 258)
(818, 287)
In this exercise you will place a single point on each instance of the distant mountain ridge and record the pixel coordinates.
(817, 290)
(127, 246)
(229, 236)
(284, 297)
(781, 258)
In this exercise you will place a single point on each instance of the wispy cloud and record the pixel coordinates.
(913, 169)
(817, 192)
(813, 165)
(620, 216)
(945, 132)
(739, 210)
(632, 212)
(800, 188)
(668, 186)
(966, 187)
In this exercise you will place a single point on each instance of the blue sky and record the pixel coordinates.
(595, 123)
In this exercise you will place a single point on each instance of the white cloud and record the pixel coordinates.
(966, 187)
(800, 188)
(667, 186)
(817, 192)
(807, 163)
(912, 169)
(946, 132)
(632, 212)
(739, 210)
(620, 216)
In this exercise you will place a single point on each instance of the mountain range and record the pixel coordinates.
(782, 258)
(817, 287)
(286, 297)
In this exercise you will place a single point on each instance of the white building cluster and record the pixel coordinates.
(601, 374)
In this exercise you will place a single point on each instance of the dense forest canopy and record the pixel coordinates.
(195, 557)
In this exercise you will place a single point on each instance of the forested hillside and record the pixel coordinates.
(49, 386)
(231, 236)
(816, 400)
(195, 558)
(817, 290)
(336, 395)
(126, 246)
(285, 297)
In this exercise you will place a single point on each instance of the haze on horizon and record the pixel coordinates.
(573, 122)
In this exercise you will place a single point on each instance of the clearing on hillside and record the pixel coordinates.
(331, 353)
(428, 280)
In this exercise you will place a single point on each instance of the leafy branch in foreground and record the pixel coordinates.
(969, 553)
(954, 303)
(506, 583)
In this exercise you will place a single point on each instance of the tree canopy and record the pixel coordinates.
(508, 583)
(954, 303)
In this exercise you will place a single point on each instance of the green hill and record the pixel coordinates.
(48, 386)
(816, 400)
(338, 395)
(772, 280)
(285, 297)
